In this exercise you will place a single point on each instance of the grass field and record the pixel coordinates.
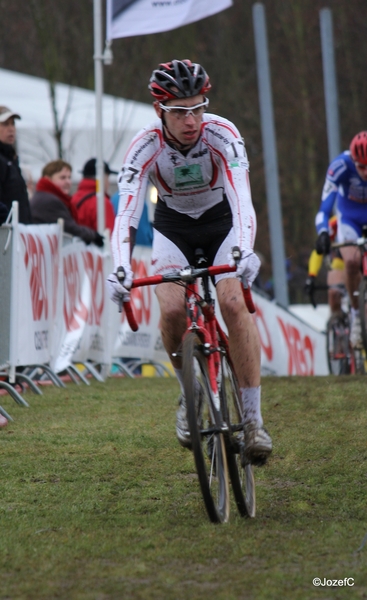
(99, 502)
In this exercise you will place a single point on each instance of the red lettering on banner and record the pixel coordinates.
(265, 338)
(73, 304)
(309, 351)
(300, 350)
(94, 268)
(34, 260)
(53, 241)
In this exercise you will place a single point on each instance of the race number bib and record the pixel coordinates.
(188, 176)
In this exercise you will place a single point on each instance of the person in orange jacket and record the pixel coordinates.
(84, 201)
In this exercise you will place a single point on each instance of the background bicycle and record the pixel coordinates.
(343, 359)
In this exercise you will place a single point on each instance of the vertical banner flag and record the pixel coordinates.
(126, 18)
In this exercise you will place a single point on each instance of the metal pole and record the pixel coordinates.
(270, 156)
(98, 86)
(330, 85)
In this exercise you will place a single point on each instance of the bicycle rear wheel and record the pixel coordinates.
(362, 300)
(243, 481)
(205, 428)
(358, 361)
(338, 347)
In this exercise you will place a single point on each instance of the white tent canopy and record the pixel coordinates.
(30, 97)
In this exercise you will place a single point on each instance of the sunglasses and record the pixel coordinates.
(182, 112)
(360, 167)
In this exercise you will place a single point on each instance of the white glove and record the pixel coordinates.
(248, 267)
(117, 292)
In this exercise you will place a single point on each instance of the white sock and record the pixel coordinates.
(179, 376)
(354, 312)
(178, 373)
(251, 405)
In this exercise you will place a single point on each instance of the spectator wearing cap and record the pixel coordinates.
(12, 185)
(84, 201)
(51, 201)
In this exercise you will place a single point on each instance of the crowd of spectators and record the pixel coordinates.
(52, 199)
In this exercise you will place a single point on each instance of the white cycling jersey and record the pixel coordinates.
(189, 183)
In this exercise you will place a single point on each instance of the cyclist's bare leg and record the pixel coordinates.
(334, 278)
(352, 260)
(173, 319)
(171, 298)
(244, 344)
(244, 341)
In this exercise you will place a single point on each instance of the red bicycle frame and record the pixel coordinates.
(200, 314)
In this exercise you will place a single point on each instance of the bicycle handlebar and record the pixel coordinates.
(360, 242)
(187, 275)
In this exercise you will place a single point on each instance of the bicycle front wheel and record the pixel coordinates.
(358, 361)
(205, 424)
(243, 481)
(338, 347)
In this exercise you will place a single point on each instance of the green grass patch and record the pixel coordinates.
(99, 502)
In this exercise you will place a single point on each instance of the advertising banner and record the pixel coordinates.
(84, 332)
(36, 264)
(288, 346)
(60, 312)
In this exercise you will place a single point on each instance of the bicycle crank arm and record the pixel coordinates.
(222, 429)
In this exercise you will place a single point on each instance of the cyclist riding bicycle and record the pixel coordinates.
(335, 274)
(345, 190)
(198, 163)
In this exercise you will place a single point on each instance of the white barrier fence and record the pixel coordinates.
(288, 345)
(56, 310)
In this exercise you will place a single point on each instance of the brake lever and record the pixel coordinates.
(236, 253)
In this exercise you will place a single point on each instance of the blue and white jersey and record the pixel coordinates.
(345, 193)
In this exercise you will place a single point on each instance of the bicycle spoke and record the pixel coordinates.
(207, 445)
(338, 347)
(243, 482)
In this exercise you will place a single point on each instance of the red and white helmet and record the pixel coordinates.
(178, 79)
(358, 148)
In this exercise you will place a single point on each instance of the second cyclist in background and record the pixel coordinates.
(335, 274)
(345, 191)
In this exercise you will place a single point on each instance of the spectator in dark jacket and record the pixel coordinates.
(12, 184)
(3, 213)
(51, 201)
(84, 200)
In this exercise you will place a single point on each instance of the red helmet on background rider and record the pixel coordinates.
(178, 79)
(358, 148)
